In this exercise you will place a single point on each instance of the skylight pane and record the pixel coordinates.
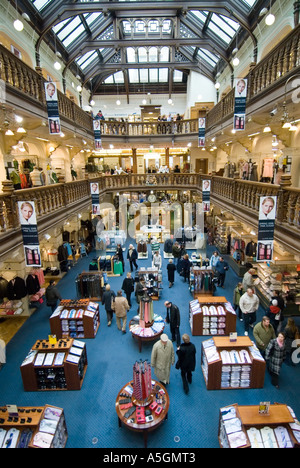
(133, 75)
(119, 77)
(153, 54)
(90, 59)
(144, 75)
(177, 77)
(84, 57)
(109, 80)
(131, 58)
(92, 17)
(164, 54)
(71, 38)
(69, 28)
(142, 54)
(153, 75)
(163, 75)
(219, 32)
(40, 4)
(201, 15)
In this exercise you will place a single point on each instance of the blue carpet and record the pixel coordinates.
(90, 413)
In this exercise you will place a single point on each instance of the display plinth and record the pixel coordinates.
(211, 316)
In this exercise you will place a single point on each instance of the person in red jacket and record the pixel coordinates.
(274, 314)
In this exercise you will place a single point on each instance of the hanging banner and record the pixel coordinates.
(266, 226)
(52, 108)
(95, 198)
(240, 96)
(206, 195)
(97, 133)
(27, 216)
(201, 132)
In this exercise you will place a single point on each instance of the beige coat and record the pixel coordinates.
(120, 306)
(162, 357)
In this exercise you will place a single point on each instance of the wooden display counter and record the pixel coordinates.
(204, 320)
(75, 319)
(159, 399)
(246, 427)
(32, 427)
(232, 365)
(58, 366)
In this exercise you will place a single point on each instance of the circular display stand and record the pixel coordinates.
(142, 339)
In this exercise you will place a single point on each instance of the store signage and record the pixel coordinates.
(201, 132)
(52, 108)
(206, 195)
(95, 198)
(266, 226)
(240, 104)
(27, 216)
(97, 134)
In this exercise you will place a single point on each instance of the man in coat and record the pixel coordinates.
(221, 268)
(132, 256)
(107, 299)
(162, 358)
(128, 287)
(173, 318)
(52, 295)
(171, 268)
(121, 307)
(263, 333)
(186, 353)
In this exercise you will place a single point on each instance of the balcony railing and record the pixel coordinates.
(55, 202)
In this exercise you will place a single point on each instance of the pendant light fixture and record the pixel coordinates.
(270, 18)
(18, 25)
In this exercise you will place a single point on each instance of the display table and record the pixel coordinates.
(32, 427)
(232, 365)
(211, 316)
(144, 334)
(75, 319)
(245, 427)
(159, 399)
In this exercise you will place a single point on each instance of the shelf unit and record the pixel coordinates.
(58, 366)
(33, 427)
(246, 427)
(232, 364)
(85, 288)
(211, 316)
(75, 319)
(144, 273)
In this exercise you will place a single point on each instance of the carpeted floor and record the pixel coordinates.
(90, 413)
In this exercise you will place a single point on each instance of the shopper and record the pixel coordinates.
(248, 281)
(237, 294)
(249, 303)
(108, 298)
(132, 256)
(214, 260)
(221, 268)
(275, 355)
(173, 318)
(52, 295)
(162, 358)
(274, 314)
(119, 253)
(186, 267)
(291, 333)
(121, 307)
(128, 287)
(176, 252)
(263, 333)
(157, 260)
(186, 353)
(171, 268)
(281, 305)
(140, 290)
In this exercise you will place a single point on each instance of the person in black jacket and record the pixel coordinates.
(132, 256)
(107, 298)
(52, 295)
(186, 353)
(173, 318)
(119, 253)
(128, 287)
(171, 272)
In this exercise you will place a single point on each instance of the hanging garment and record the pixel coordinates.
(3, 287)
(16, 288)
(32, 284)
(268, 168)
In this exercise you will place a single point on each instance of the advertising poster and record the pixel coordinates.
(201, 132)
(266, 226)
(52, 108)
(97, 134)
(206, 195)
(239, 118)
(95, 198)
(28, 221)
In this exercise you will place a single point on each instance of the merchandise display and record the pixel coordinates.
(244, 426)
(232, 364)
(152, 278)
(90, 285)
(201, 281)
(33, 427)
(54, 366)
(211, 316)
(75, 319)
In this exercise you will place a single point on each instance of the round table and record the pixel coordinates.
(158, 395)
(141, 337)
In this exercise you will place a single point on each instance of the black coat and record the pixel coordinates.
(107, 298)
(187, 357)
(128, 285)
(171, 272)
(174, 316)
(120, 254)
(52, 295)
(16, 288)
(134, 255)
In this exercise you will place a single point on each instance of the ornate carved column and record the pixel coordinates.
(134, 163)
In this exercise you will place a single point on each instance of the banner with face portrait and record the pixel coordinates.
(28, 221)
(240, 96)
(201, 132)
(52, 108)
(206, 195)
(266, 226)
(95, 198)
(97, 134)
